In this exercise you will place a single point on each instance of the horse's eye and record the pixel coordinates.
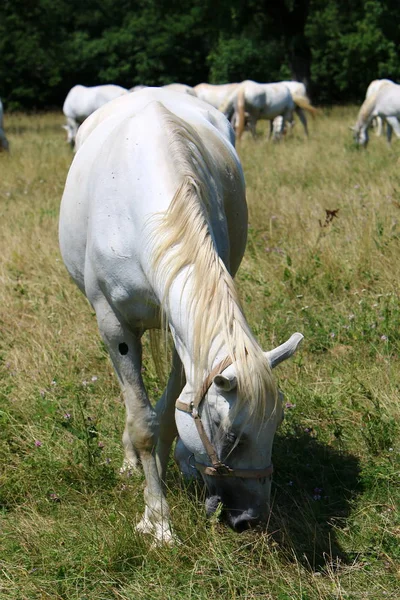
(231, 437)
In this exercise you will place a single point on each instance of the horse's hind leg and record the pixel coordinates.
(392, 125)
(165, 410)
(301, 114)
(141, 429)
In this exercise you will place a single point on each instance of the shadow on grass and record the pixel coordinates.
(314, 485)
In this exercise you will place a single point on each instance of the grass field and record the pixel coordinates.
(67, 518)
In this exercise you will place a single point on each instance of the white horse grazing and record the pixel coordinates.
(385, 104)
(82, 101)
(3, 140)
(153, 226)
(373, 89)
(215, 95)
(255, 101)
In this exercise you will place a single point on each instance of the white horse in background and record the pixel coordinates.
(82, 101)
(4, 145)
(215, 94)
(385, 103)
(153, 227)
(177, 87)
(265, 101)
(373, 89)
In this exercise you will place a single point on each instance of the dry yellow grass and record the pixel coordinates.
(68, 520)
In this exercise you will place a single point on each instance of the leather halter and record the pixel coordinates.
(217, 468)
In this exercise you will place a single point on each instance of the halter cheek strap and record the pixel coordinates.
(217, 468)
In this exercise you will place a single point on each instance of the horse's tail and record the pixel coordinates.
(241, 117)
(304, 103)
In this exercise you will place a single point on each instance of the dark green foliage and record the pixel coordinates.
(335, 46)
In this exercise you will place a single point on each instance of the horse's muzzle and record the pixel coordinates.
(238, 520)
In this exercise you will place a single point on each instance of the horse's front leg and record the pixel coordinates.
(141, 430)
(165, 410)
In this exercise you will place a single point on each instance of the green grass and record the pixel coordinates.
(67, 517)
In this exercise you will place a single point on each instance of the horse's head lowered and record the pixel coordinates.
(360, 135)
(231, 449)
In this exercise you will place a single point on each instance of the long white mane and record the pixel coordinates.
(183, 239)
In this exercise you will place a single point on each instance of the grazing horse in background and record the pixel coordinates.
(385, 103)
(82, 101)
(4, 145)
(256, 101)
(215, 94)
(153, 227)
(252, 101)
(372, 89)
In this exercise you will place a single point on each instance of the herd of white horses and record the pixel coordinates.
(153, 226)
(244, 104)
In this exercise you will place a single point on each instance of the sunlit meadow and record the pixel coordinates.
(323, 258)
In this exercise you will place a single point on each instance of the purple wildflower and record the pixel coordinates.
(290, 405)
(38, 443)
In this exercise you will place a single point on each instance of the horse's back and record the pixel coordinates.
(376, 85)
(387, 100)
(278, 99)
(125, 172)
(82, 101)
(296, 87)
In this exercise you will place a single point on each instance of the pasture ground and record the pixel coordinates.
(67, 518)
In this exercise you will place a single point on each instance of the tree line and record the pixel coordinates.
(335, 46)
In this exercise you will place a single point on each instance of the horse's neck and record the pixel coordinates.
(179, 315)
(366, 113)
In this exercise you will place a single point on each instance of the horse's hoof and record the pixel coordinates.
(129, 467)
(161, 533)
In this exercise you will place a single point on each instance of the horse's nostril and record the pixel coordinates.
(242, 525)
(244, 522)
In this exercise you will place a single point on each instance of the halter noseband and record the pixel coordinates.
(217, 468)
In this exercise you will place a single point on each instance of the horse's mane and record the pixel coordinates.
(183, 241)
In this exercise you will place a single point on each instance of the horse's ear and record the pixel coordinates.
(224, 383)
(284, 351)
